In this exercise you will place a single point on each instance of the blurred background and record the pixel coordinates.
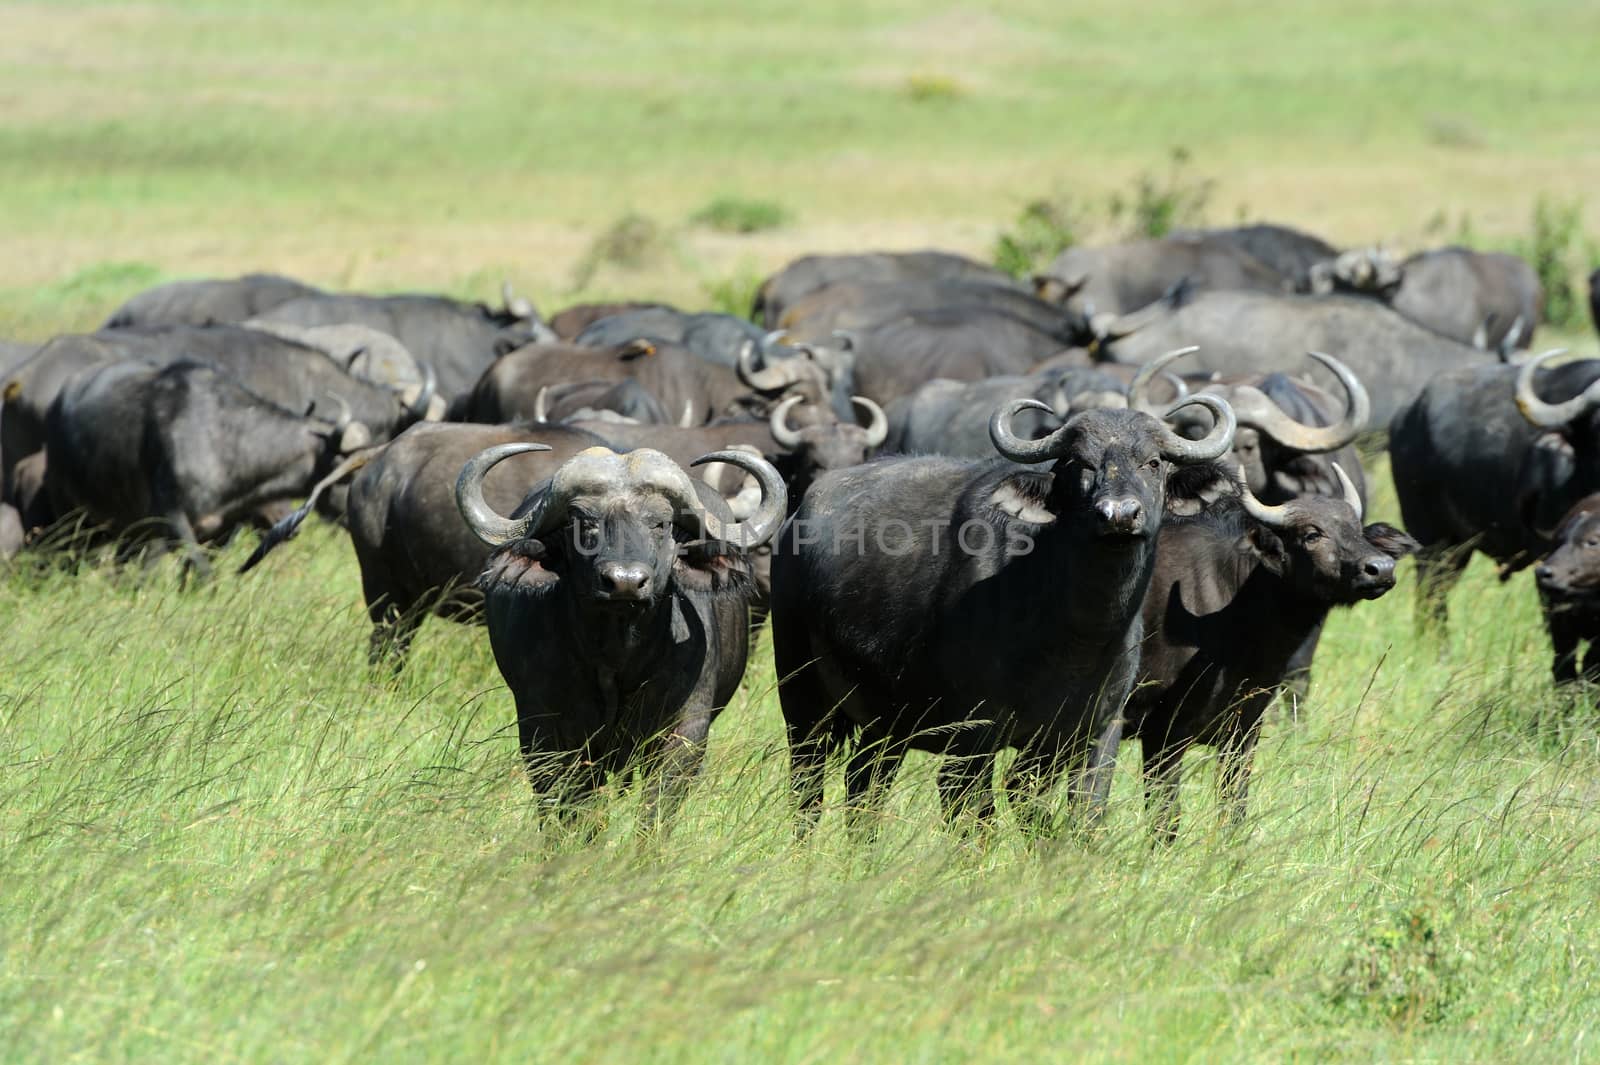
(682, 150)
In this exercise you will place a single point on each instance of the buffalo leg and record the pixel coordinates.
(677, 763)
(1236, 754)
(1564, 639)
(1438, 570)
(809, 746)
(1163, 776)
(964, 787)
(870, 774)
(392, 630)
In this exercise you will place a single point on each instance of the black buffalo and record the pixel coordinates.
(208, 302)
(416, 555)
(856, 305)
(1569, 592)
(460, 340)
(618, 609)
(177, 456)
(948, 417)
(963, 606)
(1489, 459)
(1289, 251)
(1472, 296)
(813, 272)
(1248, 332)
(1237, 591)
(1118, 278)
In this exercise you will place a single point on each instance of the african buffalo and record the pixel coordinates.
(857, 305)
(618, 608)
(208, 302)
(460, 340)
(1291, 252)
(1569, 592)
(1118, 278)
(813, 272)
(1472, 296)
(961, 606)
(1237, 591)
(947, 417)
(179, 455)
(1489, 459)
(416, 555)
(568, 323)
(1248, 332)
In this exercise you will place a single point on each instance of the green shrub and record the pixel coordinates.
(1560, 254)
(1163, 203)
(933, 89)
(731, 214)
(736, 294)
(1408, 969)
(1043, 230)
(632, 242)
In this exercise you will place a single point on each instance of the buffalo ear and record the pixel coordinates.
(1025, 497)
(505, 346)
(1265, 545)
(1193, 488)
(1391, 541)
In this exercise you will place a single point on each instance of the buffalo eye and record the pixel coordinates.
(1593, 541)
(1153, 464)
(1311, 535)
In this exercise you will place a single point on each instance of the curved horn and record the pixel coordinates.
(1348, 489)
(787, 438)
(349, 363)
(1550, 415)
(1513, 337)
(1213, 444)
(767, 379)
(1272, 517)
(774, 502)
(541, 404)
(346, 415)
(1254, 408)
(418, 407)
(515, 305)
(1012, 446)
(486, 524)
(878, 427)
(686, 419)
(1147, 373)
(777, 336)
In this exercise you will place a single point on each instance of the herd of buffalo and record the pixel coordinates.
(978, 514)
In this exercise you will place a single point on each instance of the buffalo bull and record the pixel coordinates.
(814, 272)
(963, 606)
(1118, 278)
(946, 417)
(415, 553)
(1569, 593)
(1248, 332)
(208, 302)
(1489, 459)
(1237, 591)
(618, 609)
(179, 455)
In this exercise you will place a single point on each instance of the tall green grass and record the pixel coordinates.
(220, 840)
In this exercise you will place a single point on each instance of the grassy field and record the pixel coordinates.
(439, 145)
(220, 840)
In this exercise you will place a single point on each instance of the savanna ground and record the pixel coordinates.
(220, 839)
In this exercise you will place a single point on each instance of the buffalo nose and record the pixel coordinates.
(624, 580)
(1381, 569)
(1120, 515)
